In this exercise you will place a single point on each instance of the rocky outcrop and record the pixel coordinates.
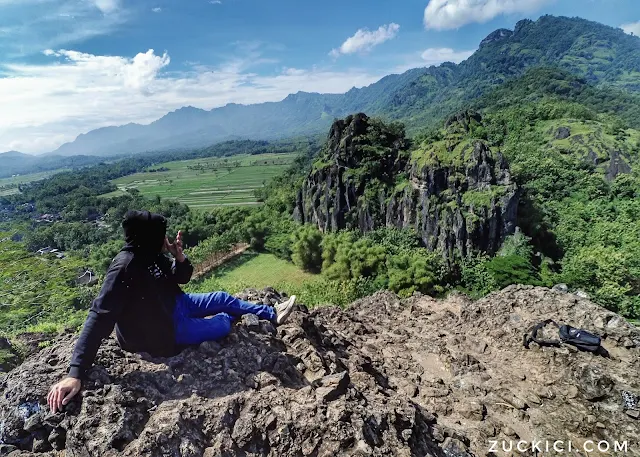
(618, 164)
(462, 209)
(612, 157)
(496, 35)
(562, 133)
(360, 157)
(298, 390)
(8, 355)
(456, 193)
(383, 377)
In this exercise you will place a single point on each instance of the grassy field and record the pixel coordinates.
(252, 270)
(9, 186)
(204, 183)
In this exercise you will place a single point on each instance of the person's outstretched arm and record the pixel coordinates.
(99, 324)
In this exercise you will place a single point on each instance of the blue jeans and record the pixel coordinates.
(191, 309)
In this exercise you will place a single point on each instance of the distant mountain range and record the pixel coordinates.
(421, 97)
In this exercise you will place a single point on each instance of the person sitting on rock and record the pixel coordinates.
(142, 299)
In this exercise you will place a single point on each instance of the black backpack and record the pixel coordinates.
(583, 340)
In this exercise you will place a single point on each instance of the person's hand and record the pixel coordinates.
(61, 393)
(175, 248)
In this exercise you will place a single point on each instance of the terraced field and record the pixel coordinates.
(9, 186)
(205, 183)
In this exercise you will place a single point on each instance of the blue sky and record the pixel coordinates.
(68, 66)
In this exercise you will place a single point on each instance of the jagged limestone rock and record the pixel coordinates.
(456, 193)
(382, 377)
(246, 395)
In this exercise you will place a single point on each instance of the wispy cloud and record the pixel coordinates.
(451, 14)
(215, 2)
(633, 28)
(47, 104)
(42, 24)
(432, 56)
(156, 10)
(365, 40)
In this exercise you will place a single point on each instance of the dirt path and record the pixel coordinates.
(218, 259)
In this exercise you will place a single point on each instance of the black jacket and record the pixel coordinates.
(138, 297)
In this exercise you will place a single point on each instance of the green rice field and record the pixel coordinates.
(9, 186)
(209, 182)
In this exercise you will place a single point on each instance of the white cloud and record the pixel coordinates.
(156, 10)
(365, 40)
(451, 14)
(107, 6)
(137, 73)
(215, 2)
(435, 56)
(631, 28)
(47, 104)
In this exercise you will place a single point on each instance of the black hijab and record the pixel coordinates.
(144, 232)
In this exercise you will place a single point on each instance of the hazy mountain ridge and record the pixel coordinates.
(419, 97)
(18, 163)
(13, 161)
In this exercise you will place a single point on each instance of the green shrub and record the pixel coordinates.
(512, 269)
(475, 278)
(332, 242)
(307, 248)
(395, 241)
(329, 292)
(481, 275)
(279, 245)
(516, 244)
(417, 270)
(362, 258)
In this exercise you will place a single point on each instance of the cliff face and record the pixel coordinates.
(456, 193)
(349, 182)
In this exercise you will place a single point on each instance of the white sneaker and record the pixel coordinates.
(283, 310)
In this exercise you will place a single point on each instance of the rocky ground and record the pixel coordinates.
(385, 377)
